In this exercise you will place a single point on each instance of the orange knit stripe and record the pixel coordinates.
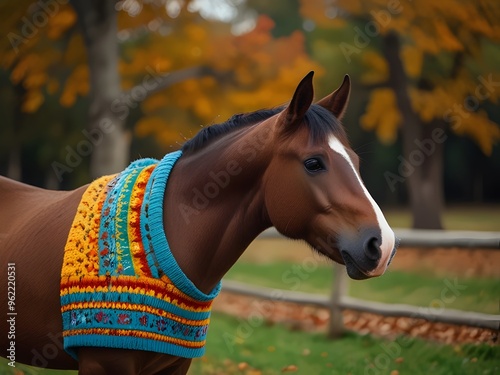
(139, 260)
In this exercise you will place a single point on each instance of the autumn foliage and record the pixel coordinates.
(445, 52)
(254, 70)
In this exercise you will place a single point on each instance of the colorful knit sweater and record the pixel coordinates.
(120, 284)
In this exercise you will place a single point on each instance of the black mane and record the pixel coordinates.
(320, 121)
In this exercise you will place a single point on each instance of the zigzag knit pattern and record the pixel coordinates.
(120, 284)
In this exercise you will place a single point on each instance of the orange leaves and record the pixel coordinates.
(290, 368)
(23, 66)
(33, 101)
(196, 33)
(30, 72)
(33, 53)
(60, 22)
(325, 13)
(382, 115)
(259, 71)
(76, 84)
(448, 41)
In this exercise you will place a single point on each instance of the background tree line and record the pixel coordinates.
(87, 86)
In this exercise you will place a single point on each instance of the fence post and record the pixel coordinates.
(336, 324)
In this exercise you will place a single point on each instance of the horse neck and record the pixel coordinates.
(214, 204)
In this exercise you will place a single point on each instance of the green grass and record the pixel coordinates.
(269, 349)
(473, 294)
(482, 218)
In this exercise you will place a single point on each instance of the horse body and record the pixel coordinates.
(290, 168)
(34, 226)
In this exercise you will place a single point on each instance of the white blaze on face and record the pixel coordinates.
(388, 239)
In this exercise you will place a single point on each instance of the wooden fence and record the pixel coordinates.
(338, 301)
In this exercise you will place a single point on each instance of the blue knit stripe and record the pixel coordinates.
(139, 299)
(127, 342)
(163, 254)
(133, 320)
(106, 241)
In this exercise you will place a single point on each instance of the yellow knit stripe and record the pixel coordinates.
(133, 307)
(81, 250)
(134, 333)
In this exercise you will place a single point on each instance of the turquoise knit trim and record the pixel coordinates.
(164, 257)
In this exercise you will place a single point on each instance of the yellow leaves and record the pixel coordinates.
(162, 64)
(33, 101)
(378, 70)
(203, 108)
(479, 127)
(149, 125)
(35, 80)
(75, 51)
(423, 41)
(413, 59)
(76, 84)
(52, 86)
(153, 103)
(196, 33)
(448, 41)
(382, 115)
(458, 103)
(430, 104)
(60, 22)
(22, 68)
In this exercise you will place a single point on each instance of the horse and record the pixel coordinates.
(290, 167)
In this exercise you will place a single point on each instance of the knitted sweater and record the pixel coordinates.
(120, 284)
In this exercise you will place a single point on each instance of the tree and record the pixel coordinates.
(128, 55)
(430, 70)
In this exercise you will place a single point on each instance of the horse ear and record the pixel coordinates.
(302, 99)
(337, 101)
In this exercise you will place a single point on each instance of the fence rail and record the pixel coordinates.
(433, 238)
(337, 301)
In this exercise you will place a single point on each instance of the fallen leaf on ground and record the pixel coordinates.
(289, 368)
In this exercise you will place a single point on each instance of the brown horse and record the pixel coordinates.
(289, 167)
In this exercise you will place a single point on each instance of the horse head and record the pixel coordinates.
(313, 188)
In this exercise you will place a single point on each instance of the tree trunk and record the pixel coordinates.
(14, 164)
(422, 154)
(106, 131)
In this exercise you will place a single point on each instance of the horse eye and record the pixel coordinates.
(314, 165)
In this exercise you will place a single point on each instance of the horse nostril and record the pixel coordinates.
(372, 248)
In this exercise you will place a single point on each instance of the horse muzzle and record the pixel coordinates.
(364, 256)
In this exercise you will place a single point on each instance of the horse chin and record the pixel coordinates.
(353, 271)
